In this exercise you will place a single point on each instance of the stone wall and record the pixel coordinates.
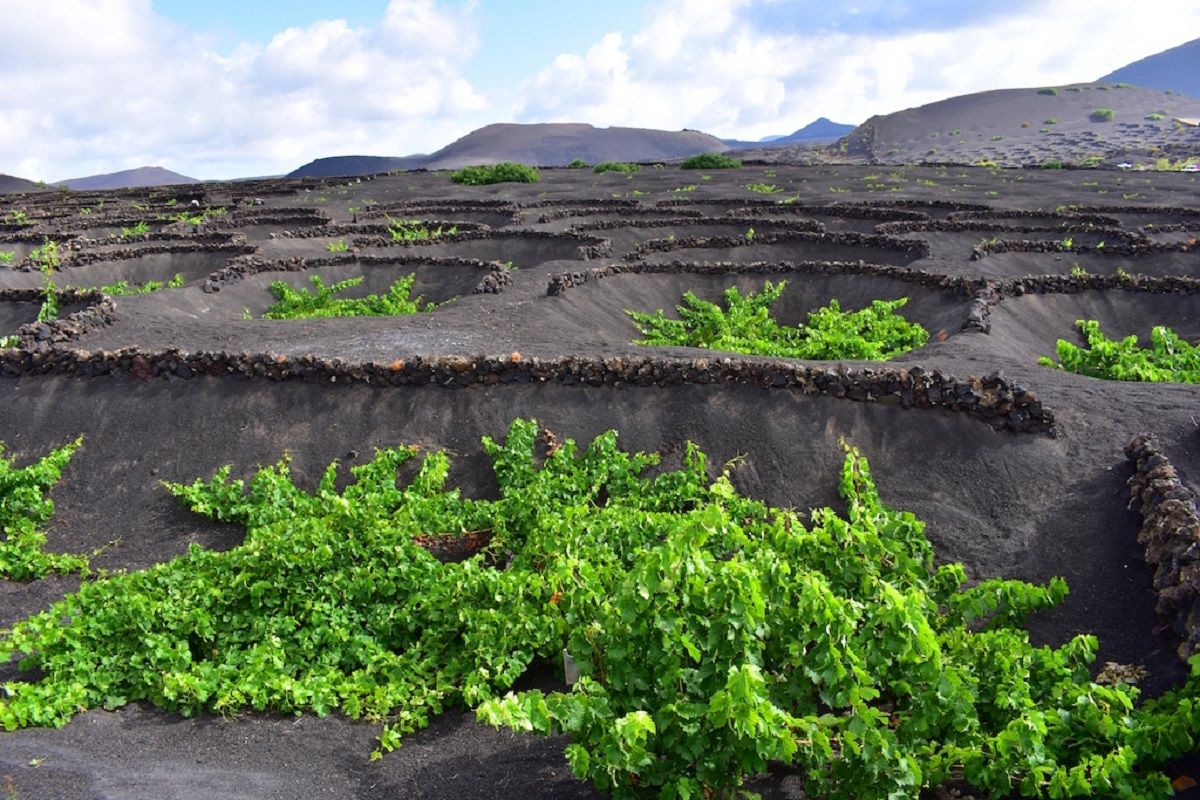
(1170, 533)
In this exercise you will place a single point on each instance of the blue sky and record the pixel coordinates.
(521, 36)
(230, 88)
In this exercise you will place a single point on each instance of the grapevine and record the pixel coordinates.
(715, 634)
(876, 332)
(1169, 358)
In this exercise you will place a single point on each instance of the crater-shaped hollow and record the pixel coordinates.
(1030, 326)
(595, 312)
(434, 283)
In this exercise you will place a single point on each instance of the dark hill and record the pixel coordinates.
(543, 144)
(822, 129)
(1177, 70)
(334, 166)
(1014, 127)
(129, 178)
(12, 185)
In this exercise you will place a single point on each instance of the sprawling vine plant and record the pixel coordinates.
(320, 301)
(714, 633)
(875, 332)
(1168, 359)
(25, 507)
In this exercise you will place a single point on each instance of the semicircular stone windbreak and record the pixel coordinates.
(492, 213)
(590, 308)
(73, 313)
(1014, 258)
(243, 290)
(934, 209)
(135, 265)
(1035, 314)
(1037, 217)
(627, 235)
(572, 216)
(958, 240)
(793, 246)
(261, 224)
(333, 239)
(834, 217)
(16, 246)
(525, 249)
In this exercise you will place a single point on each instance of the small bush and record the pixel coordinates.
(504, 172)
(1169, 359)
(1049, 91)
(1102, 115)
(577, 163)
(125, 288)
(1052, 163)
(710, 161)
(616, 166)
(763, 188)
(320, 302)
(1155, 117)
(25, 508)
(1051, 121)
(745, 326)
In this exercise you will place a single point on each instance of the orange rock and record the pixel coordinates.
(1183, 782)
(396, 365)
(515, 357)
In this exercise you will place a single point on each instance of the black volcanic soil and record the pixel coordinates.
(1004, 503)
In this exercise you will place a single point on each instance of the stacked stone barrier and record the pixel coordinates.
(496, 279)
(1170, 533)
(992, 399)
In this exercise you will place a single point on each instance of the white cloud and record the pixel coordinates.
(704, 64)
(102, 85)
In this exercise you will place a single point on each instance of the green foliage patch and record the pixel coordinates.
(876, 332)
(25, 507)
(412, 230)
(714, 633)
(1102, 115)
(616, 166)
(1168, 359)
(140, 229)
(710, 161)
(122, 288)
(291, 303)
(504, 172)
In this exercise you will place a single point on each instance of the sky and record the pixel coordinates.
(237, 88)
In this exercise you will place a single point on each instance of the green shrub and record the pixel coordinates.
(876, 332)
(714, 633)
(1051, 121)
(25, 506)
(577, 163)
(1049, 90)
(1156, 117)
(304, 304)
(414, 230)
(763, 188)
(504, 172)
(616, 166)
(140, 229)
(7, 257)
(1052, 163)
(122, 288)
(338, 246)
(1169, 359)
(710, 161)
(1102, 115)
